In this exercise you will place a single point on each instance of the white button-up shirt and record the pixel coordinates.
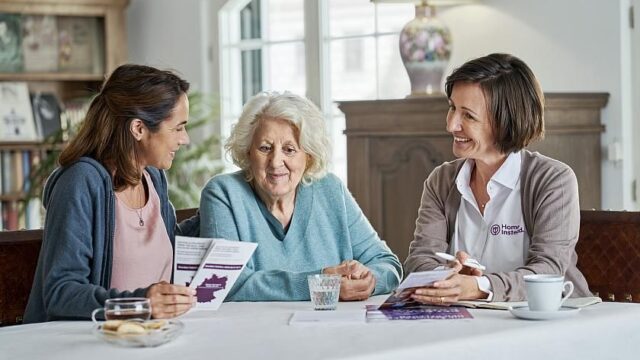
(498, 239)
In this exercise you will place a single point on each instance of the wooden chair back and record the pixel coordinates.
(609, 254)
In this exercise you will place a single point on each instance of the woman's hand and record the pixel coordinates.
(169, 300)
(446, 292)
(461, 257)
(357, 282)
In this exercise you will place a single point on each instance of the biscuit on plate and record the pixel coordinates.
(111, 325)
(130, 328)
(154, 325)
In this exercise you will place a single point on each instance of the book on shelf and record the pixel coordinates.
(10, 43)
(46, 113)
(72, 116)
(80, 45)
(40, 43)
(16, 115)
(10, 215)
(17, 172)
(7, 179)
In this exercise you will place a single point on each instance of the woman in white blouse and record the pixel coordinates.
(513, 210)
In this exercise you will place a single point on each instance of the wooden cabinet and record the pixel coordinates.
(393, 145)
(108, 50)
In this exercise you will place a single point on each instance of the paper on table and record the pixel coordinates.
(307, 317)
(424, 278)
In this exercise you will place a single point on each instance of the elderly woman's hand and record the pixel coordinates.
(357, 282)
(446, 292)
(169, 300)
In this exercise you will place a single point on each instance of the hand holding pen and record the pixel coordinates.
(468, 265)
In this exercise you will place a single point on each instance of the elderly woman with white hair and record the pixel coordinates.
(304, 220)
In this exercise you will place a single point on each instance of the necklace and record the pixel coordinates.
(133, 205)
(139, 211)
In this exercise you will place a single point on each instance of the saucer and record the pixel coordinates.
(523, 312)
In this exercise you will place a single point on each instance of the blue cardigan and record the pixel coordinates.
(73, 275)
(327, 227)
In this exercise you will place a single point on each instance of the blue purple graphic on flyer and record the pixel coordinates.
(400, 306)
(427, 312)
(207, 288)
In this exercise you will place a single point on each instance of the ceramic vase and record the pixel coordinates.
(425, 48)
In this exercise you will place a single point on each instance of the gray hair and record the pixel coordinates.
(300, 112)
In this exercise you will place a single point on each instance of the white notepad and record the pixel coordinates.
(311, 317)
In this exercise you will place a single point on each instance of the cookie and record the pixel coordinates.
(154, 325)
(130, 328)
(111, 325)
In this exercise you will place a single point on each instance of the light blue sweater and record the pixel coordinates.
(327, 227)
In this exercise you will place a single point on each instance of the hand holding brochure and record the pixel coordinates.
(401, 297)
(211, 266)
(423, 278)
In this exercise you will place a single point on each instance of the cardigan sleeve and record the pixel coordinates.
(430, 235)
(68, 249)
(369, 250)
(251, 285)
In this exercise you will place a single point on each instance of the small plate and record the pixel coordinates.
(523, 312)
(169, 331)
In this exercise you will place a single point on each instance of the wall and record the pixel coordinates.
(571, 45)
(169, 34)
(174, 35)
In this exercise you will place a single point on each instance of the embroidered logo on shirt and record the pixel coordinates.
(504, 229)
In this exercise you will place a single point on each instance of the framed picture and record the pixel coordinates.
(10, 43)
(46, 113)
(16, 116)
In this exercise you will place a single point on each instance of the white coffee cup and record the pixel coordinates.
(544, 292)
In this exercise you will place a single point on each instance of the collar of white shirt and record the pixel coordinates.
(507, 175)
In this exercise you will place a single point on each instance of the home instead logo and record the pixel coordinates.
(504, 229)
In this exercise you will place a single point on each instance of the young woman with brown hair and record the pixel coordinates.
(109, 227)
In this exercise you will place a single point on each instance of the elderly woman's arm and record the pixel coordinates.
(369, 250)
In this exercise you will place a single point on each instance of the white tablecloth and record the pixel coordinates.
(261, 331)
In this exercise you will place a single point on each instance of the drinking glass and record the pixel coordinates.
(324, 291)
(125, 309)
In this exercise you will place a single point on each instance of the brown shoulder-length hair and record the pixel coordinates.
(515, 101)
(131, 92)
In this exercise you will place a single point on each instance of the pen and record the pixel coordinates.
(472, 263)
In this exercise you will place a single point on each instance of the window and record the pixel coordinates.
(351, 47)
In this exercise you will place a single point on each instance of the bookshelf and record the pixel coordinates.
(66, 49)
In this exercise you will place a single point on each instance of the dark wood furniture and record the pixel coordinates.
(393, 145)
(19, 252)
(608, 256)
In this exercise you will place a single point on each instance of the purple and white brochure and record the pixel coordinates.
(221, 262)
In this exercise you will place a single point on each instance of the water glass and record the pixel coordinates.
(324, 291)
(125, 309)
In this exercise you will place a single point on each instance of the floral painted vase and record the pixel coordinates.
(425, 48)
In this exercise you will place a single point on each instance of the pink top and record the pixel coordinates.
(142, 254)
